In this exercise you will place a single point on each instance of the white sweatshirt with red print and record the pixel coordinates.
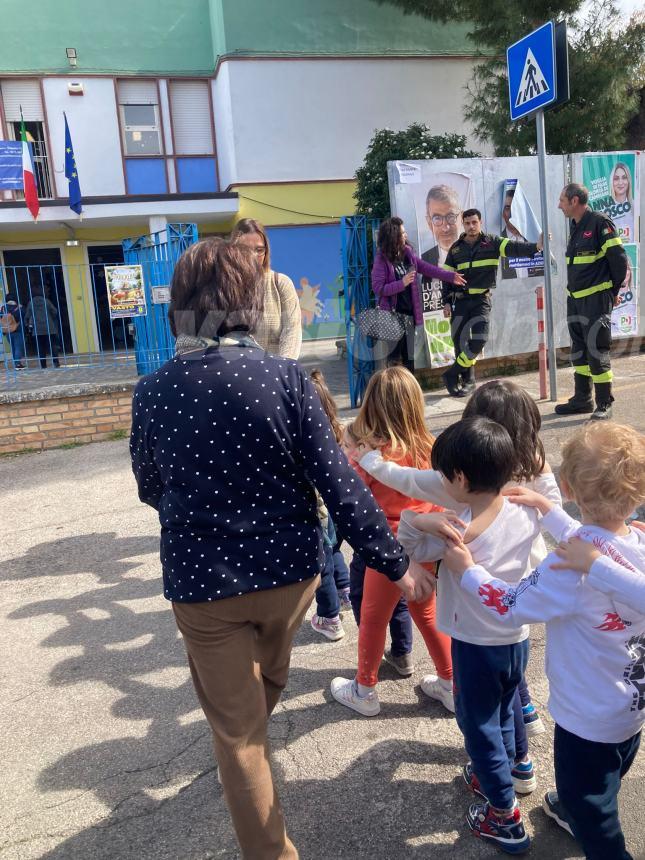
(595, 651)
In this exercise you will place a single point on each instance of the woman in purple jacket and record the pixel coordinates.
(394, 281)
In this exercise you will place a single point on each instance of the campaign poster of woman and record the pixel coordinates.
(612, 180)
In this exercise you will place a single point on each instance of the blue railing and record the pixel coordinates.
(358, 243)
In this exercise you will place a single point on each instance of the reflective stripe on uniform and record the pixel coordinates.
(477, 264)
(464, 361)
(585, 259)
(582, 369)
(607, 376)
(447, 267)
(476, 292)
(502, 247)
(580, 294)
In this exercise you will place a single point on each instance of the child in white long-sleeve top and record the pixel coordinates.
(473, 460)
(595, 653)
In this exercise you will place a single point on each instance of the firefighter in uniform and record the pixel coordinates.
(476, 256)
(596, 269)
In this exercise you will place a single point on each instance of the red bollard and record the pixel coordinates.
(543, 361)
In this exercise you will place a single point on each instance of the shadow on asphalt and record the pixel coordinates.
(158, 785)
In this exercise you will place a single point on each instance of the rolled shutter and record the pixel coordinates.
(138, 93)
(25, 94)
(191, 117)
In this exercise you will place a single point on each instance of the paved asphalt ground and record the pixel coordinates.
(105, 753)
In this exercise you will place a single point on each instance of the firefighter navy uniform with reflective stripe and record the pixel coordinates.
(478, 263)
(596, 268)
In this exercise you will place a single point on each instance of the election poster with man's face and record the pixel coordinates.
(519, 224)
(437, 198)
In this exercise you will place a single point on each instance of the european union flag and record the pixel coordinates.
(75, 200)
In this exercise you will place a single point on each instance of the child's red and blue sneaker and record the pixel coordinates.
(505, 830)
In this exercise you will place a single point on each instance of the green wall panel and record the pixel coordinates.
(335, 27)
(158, 36)
(168, 37)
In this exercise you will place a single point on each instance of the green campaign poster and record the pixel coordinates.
(624, 319)
(612, 181)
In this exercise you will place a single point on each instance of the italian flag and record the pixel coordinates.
(28, 179)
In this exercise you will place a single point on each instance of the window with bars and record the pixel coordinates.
(22, 97)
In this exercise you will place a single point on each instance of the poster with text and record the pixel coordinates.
(519, 224)
(126, 295)
(624, 319)
(439, 342)
(613, 182)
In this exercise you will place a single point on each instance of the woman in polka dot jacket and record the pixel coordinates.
(227, 443)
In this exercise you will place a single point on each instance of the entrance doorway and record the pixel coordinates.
(40, 269)
(113, 334)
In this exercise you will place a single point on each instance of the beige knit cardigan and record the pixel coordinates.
(280, 329)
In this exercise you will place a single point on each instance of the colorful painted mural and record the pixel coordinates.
(310, 255)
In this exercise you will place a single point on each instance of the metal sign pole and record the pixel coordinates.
(548, 295)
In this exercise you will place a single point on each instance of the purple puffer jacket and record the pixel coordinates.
(386, 287)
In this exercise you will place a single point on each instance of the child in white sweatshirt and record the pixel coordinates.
(595, 653)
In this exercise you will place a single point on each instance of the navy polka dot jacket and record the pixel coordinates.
(227, 444)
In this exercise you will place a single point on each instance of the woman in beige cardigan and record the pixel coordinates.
(280, 330)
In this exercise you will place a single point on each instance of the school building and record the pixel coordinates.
(207, 111)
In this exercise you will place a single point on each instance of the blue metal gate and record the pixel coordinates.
(358, 246)
(157, 254)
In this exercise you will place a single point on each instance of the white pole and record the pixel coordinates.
(548, 295)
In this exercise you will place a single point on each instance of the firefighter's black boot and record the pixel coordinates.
(468, 380)
(604, 400)
(581, 402)
(451, 380)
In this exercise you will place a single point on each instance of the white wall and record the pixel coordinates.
(224, 133)
(313, 119)
(94, 127)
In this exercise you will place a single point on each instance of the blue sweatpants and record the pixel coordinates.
(485, 681)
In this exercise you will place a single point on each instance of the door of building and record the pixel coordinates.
(116, 334)
(40, 269)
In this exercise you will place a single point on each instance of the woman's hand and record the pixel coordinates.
(417, 583)
(459, 280)
(458, 558)
(524, 496)
(577, 555)
(409, 277)
(445, 525)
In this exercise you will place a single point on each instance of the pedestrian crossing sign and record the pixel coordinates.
(531, 64)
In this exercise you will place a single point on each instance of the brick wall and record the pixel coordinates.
(40, 420)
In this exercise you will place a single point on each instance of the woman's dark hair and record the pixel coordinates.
(389, 241)
(468, 213)
(246, 226)
(513, 408)
(216, 288)
(479, 448)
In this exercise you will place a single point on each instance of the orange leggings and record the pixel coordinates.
(380, 596)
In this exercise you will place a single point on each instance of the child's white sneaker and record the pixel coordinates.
(346, 692)
(435, 688)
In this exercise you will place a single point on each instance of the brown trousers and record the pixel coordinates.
(239, 651)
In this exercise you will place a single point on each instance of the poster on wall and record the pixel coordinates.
(125, 290)
(519, 224)
(437, 197)
(11, 177)
(613, 182)
(624, 319)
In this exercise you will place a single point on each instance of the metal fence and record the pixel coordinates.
(358, 234)
(65, 322)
